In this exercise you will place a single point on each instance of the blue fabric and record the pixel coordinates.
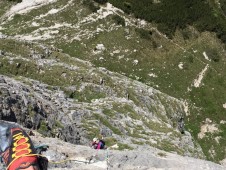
(5, 135)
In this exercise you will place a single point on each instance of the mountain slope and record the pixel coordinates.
(190, 66)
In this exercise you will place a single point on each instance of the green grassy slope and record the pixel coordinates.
(173, 14)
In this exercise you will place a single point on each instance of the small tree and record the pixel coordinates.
(119, 20)
(213, 55)
(101, 1)
(127, 7)
(145, 34)
(91, 5)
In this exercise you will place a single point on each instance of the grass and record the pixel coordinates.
(168, 147)
(105, 122)
(137, 142)
(108, 112)
(126, 110)
(43, 128)
(161, 154)
(136, 135)
(91, 128)
(15, 47)
(87, 95)
(5, 5)
(156, 126)
(110, 141)
(123, 146)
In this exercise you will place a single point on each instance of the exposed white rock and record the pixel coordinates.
(222, 122)
(152, 75)
(197, 82)
(135, 62)
(205, 55)
(181, 65)
(224, 105)
(35, 24)
(100, 47)
(208, 127)
(27, 5)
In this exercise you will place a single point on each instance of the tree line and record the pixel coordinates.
(173, 14)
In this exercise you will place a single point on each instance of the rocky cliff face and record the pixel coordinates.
(119, 118)
(81, 102)
(123, 111)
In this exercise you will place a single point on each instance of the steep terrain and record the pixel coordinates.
(62, 155)
(58, 63)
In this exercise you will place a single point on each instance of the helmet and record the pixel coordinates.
(95, 139)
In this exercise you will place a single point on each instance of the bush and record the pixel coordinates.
(173, 14)
(101, 1)
(127, 7)
(145, 34)
(91, 5)
(213, 55)
(119, 20)
(17, 16)
(18, 1)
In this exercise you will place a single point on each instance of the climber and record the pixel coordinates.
(17, 150)
(181, 125)
(98, 144)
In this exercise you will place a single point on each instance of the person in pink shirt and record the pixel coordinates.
(98, 144)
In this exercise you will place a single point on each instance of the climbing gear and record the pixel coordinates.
(17, 150)
(181, 125)
(102, 144)
(95, 139)
(98, 144)
(41, 148)
(107, 159)
(20, 152)
(43, 162)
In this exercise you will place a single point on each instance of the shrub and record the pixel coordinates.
(119, 20)
(18, 1)
(213, 55)
(101, 1)
(145, 34)
(91, 5)
(127, 7)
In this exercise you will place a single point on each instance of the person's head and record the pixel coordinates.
(95, 140)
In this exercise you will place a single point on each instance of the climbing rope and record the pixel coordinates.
(107, 160)
(67, 160)
(79, 161)
(64, 161)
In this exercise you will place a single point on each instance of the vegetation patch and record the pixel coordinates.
(43, 129)
(119, 20)
(123, 146)
(161, 154)
(105, 122)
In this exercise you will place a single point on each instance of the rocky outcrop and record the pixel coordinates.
(33, 107)
(145, 158)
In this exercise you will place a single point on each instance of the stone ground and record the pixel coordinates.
(73, 157)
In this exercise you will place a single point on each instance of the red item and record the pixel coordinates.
(23, 162)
